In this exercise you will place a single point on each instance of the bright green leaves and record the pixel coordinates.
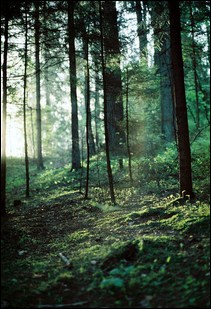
(112, 282)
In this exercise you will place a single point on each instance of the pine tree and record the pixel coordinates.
(24, 103)
(73, 83)
(4, 114)
(106, 113)
(40, 165)
(113, 77)
(185, 172)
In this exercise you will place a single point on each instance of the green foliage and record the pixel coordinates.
(147, 252)
(201, 162)
(155, 171)
(109, 283)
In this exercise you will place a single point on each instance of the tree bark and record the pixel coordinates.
(73, 85)
(46, 56)
(194, 63)
(106, 115)
(88, 113)
(40, 165)
(24, 105)
(4, 119)
(141, 28)
(97, 107)
(32, 132)
(127, 128)
(185, 173)
(113, 77)
(167, 105)
(87, 95)
(162, 59)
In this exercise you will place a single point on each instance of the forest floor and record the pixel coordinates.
(148, 251)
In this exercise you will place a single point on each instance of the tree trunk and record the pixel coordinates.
(24, 105)
(88, 113)
(194, 63)
(32, 132)
(4, 119)
(87, 97)
(127, 128)
(185, 173)
(167, 105)
(38, 95)
(141, 28)
(46, 56)
(73, 84)
(208, 40)
(106, 114)
(97, 107)
(162, 59)
(113, 78)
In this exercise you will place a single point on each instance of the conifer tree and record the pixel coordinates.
(185, 172)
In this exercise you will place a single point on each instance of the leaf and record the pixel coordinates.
(168, 259)
(109, 282)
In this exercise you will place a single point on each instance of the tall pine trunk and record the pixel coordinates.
(24, 105)
(4, 118)
(73, 85)
(141, 27)
(167, 105)
(97, 107)
(194, 63)
(113, 78)
(106, 115)
(89, 142)
(87, 95)
(38, 94)
(185, 173)
(46, 56)
(32, 132)
(127, 128)
(162, 59)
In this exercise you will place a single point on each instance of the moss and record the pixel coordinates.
(142, 253)
(126, 253)
(199, 227)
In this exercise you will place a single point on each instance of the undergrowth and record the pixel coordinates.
(146, 252)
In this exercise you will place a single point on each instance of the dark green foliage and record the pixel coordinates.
(199, 227)
(125, 254)
(143, 252)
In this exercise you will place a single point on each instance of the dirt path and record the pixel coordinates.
(84, 231)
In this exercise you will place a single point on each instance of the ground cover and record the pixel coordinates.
(148, 251)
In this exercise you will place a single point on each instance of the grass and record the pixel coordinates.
(143, 253)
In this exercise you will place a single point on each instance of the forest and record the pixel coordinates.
(105, 154)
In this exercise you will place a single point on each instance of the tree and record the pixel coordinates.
(97, 104)
(88, 112)
(140, 8)
(162, 58)
(112, 77)
(195, 16)
(46, 54)
(87, 91)
(167, 106)
(73, 81)
(185, 172)
(4, 115)
(194, 65)
(24, 103)
(127, 125)
(40, 165)
(106, 113)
